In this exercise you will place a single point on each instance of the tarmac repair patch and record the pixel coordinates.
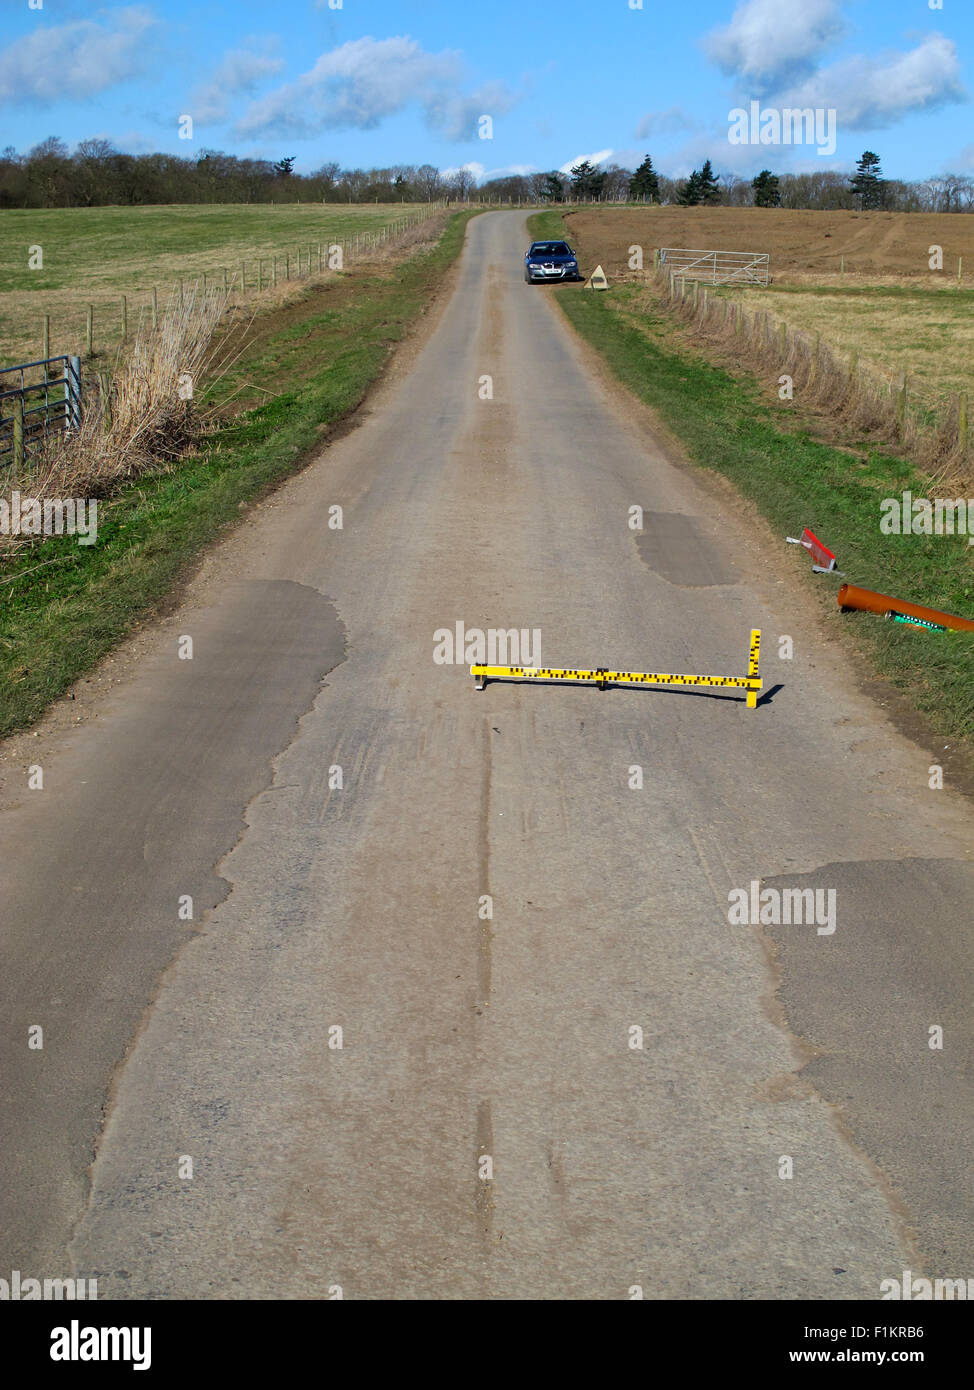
(673, 546)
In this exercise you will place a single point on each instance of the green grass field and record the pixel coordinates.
(95, 255)
(796, 480)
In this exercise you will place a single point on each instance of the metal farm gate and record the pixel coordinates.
(36, 397)
(718, 267)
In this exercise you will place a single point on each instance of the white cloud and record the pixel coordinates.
(471, 167)
(870, 93)
(75, 60)
(771, 43)
(481, 173)
(725, 158)
(240, 72)
(598, 158)
(774, 50)
(134, 142)
(456, 116)
(630, 158)
(663, 123)
(360, 83)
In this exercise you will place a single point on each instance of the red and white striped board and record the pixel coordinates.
(825, 562)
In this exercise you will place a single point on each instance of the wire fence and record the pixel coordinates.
(107, 323)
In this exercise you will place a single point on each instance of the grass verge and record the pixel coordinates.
(797, 480)
(63, 606)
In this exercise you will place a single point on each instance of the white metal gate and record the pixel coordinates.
(718, 267)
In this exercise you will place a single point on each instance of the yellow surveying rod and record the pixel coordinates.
(602, 678)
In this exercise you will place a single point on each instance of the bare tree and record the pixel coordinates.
(736, 192)
(428, 182)
(460, 184)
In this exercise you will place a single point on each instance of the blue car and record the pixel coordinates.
(550, 260)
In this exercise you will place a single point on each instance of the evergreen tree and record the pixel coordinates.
(700, 187)
(284, 168)
(587, 181)
(645, 182)
(868, 184)
(688, 193)
(709, 187)
(553, 188)
(767, 192)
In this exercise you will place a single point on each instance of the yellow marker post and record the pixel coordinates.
(752, 667)
(601, 677)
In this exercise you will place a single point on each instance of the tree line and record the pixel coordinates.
(95, 174)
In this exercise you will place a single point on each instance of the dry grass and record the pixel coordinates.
(141, 417)
(137, 417)
(844, 387)
(928, 335)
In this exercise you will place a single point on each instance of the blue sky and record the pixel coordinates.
(379, 82)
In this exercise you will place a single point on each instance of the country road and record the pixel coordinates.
(464, 1037)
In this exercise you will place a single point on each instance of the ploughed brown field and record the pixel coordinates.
(876, 245)
(903, 319)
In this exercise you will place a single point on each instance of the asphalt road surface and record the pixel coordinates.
(340, 806)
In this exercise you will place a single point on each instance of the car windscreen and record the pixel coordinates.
(550, 248)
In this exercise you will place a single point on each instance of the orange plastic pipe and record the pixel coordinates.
(870, 602)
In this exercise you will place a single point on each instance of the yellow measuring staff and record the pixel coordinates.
(601, 677)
